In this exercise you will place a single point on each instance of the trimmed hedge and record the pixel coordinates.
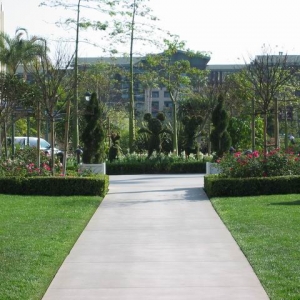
(216, 186)
(148, 167)
(55, 186)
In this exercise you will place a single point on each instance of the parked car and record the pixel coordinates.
(44, 145)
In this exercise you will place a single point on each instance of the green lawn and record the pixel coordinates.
(36, 234)
(267, 228)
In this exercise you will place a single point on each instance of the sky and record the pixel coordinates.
(232, 31)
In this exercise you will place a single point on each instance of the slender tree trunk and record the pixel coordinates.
(66, 138)
(276, 124)
(265, 133)
(38, 146)
(253, 125)
(131, 88)
(175, 136)
(52, 146)
(5, 140)
(75, 121)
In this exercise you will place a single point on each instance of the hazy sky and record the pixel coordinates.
(232, 30)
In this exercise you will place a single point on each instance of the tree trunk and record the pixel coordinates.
(52, 146)
(175, 136)
(131, 90)
(265, 133)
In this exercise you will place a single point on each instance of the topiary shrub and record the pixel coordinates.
(114, 150)
(219, 137)
(93, 135)
(190, 132)
(154, 130)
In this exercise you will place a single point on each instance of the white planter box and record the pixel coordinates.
(94, 168)
(212, 168)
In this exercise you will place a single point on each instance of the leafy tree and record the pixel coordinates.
(136, 24)
(55, 85)
(117, 117)
(16, 50)
(220, 138)
(239, 129)
(14, 93)
(268, 75)
(77, 23)
(93, 135)
(176, 74)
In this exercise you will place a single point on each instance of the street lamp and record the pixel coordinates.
(87, 96)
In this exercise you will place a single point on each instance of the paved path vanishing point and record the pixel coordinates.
(155, 237)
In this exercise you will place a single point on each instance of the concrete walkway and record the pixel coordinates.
(155, 237)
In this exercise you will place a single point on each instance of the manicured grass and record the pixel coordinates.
(267, 229)
(36, 234)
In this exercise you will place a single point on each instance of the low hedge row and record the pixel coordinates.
(148, 167)
(55, 186)
(216, 186)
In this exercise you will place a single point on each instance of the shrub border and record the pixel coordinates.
(149, 167)
(216, 186)
(55, 186)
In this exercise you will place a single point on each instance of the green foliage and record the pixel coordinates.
(240, 132)
(114, 150)
(190, 132)
(220, 138)
(55, 186)
(24, 164)
(157, 164)
(217, 186)
(93, 135)
(154, 129)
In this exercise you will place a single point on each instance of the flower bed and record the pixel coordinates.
(259, 164)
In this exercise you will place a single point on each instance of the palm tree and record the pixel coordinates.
(17, 50)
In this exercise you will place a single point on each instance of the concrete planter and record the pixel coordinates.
(94, 168)
(212, 168)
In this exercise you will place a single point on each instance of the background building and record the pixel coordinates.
(2, 68)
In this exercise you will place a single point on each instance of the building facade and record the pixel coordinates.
(2, 68)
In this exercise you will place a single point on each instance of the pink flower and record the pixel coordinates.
(237, 154)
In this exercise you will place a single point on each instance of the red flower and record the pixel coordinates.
(237, 154)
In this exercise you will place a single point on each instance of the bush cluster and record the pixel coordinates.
(25, 164)
(22, 176)
(157, 164)
(259, 164)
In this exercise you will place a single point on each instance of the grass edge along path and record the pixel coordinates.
(36, 235)
(267, 229)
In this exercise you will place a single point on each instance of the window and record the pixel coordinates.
(168, 104)
(155, 94)
(168, 108)
(166, 94)
(155, 108)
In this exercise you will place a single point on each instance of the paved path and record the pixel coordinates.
(155, 237)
